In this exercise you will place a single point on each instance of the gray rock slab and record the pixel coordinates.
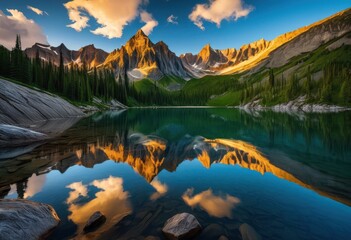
(22, 219)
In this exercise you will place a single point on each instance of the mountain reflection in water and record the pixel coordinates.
(313, 151)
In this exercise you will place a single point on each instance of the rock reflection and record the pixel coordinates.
(111, 200)
(216, 206)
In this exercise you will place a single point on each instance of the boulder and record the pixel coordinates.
(23, 105)
(22, 219)
(181, 226)
(248, 232)
(94, 222)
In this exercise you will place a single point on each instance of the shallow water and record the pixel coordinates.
(288, 176)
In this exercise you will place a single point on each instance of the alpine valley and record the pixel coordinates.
(149, 141)
(292, 67)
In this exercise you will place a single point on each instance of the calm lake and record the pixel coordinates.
(287, 175)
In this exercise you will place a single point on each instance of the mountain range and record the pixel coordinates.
(88, 55)
(140, 58)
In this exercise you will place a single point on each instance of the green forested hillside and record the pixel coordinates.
(323, 76)
(74, 83)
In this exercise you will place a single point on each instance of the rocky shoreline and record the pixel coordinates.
(32, 220)
(297, 105)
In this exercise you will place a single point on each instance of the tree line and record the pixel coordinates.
(82, 84)
(75, 83)
(334, 87)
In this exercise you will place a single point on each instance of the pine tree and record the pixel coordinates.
(61, 73)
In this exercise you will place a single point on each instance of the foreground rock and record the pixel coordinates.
(22, 219)
(21, 105)
(94, 222)
(248, 232)
(181, 226)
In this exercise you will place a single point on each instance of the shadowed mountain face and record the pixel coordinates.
(158, 140)
(88, 55)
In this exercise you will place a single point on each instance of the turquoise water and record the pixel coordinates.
(287, 175)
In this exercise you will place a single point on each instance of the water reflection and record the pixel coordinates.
(111, 200)
(161, 189)
(217, 206)
(154, 140)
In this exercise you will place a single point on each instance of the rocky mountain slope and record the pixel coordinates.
(274, 53)
(88, 55)
(140, 58)
(22, 105)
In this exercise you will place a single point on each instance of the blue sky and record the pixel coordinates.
(261, 19)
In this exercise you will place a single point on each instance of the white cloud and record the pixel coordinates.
(18, 23)
(172, 19)
(216, 206)
(150, 22)
(37, 10)
(111, 15)
(217, 10)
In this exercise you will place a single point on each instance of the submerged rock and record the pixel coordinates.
(248, 232)
(94, 222)
(22, 219)
(181, 226)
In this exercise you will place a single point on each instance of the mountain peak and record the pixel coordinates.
(140, 33)
(207, 47)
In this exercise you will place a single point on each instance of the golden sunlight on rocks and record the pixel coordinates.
(145, 157)
(217, 206)
(205, 159)
(247, 156)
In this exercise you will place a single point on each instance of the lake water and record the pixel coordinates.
(286, 175)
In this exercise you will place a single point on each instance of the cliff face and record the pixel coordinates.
(21, 105)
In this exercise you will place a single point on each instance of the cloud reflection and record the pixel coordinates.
(111, 200)
(161, 189)
(217, 206)
(34, 185)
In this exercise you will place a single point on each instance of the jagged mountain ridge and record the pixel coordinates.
(88, 55)
(140, 58)
(274, 53)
